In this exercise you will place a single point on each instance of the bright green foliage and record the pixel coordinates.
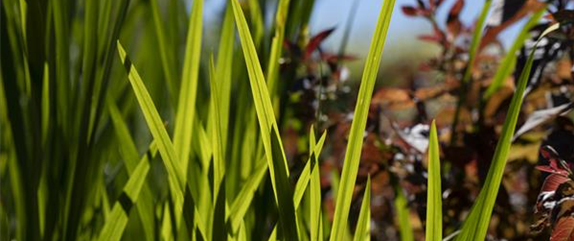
(165, 146)
(79, 139)
(507, 65)
(403, 216)
(354, 147)
(315, 186)
(113, 230)
(269, 134)
(434, 193)
(363, 232)
(131, 157)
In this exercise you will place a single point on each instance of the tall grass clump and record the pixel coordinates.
(94, 150)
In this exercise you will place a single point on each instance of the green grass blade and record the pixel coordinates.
(128, 148)
(185, 114)
(43, 186)
(353, 153)
(130, 155)
(90, 51)
(45, 103)
(166, 225)
(61, 64)
(113, 230)
(403, 216)
(176, 176)
(259, 89)
(287, 214)
(244, 198)
(363, 230)
(277, 45)
(475, 226)
(218, 159)
(256, 20)
(509, 61)
(315, 189)
(169, 69)
(218, 154)
(472, 53)
(204, 151)
(276, 160)
(224, 69)
(434, 193)
(305, 176)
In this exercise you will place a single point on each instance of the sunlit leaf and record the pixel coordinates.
(353, 153)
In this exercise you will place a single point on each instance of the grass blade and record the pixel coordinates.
(287, 214)
(218, 159)
(363, 231)
(434, 193)
(509, 61)
(112, 231)
(175, 172)
(218, 162)
(166, 225)
(45, 103)
(130, 155)
(169, 69)
(353, 153)
(185, 114)
(277, 45)
(304, 178)
(315, 188)
(256, 20)
(403, 216)
(476, 224)
(223, 72)
(276, 160)
(467, 77)
(185, 120)
(243, 200)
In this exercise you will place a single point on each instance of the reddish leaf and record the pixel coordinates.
(438, 2)
(414, 11)
(456, 8)
(316, 41)
(563, 231)
(550, 169)
(430, 38)
(453, 22)
(552, 182)
(333, 58)
(556, 164)
(410, 11)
